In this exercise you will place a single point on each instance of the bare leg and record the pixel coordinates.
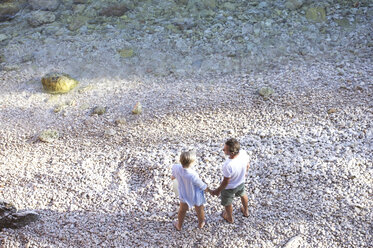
(181, 215)
(228, 213)
(245, 203)
(201, 215)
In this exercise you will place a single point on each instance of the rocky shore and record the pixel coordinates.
(292, 80)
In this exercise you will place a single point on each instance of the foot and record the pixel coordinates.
(176, 225)
(245, 213)
(202, 225)
(225, 217)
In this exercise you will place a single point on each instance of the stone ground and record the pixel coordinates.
(311, 174)
(105, 182)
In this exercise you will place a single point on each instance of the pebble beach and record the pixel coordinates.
(105, 179)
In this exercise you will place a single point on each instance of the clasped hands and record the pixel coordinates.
(215, 192)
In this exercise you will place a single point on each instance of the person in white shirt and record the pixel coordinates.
(191, 189)
(234, 171)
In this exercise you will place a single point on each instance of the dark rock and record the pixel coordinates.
(10, 218)
(8, 9)
(114, 10)
(99, 110)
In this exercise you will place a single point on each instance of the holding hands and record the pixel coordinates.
(213, 192)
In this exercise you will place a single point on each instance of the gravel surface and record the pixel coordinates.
(310, 177)
(104, 180)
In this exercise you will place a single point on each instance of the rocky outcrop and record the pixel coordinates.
(9, 8)
(10, 218)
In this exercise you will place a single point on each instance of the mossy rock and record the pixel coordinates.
(48, 135)
(172, 28)
(77, 22)
(126, 53)
(266, 92)
(58, 83)
(345, 23)
(137, 109)
(99, 110)
(316, 14)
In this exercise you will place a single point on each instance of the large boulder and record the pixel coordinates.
(10, 218)
(38, 18)
(44, 4)
(8, 9)
(57, 83)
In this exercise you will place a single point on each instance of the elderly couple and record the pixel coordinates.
(191, 188)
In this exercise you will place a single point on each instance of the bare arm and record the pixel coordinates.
(222, 186)
(172, 177)
(247, 167)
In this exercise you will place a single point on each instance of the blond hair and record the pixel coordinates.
(187, 158)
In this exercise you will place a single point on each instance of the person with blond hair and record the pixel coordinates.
(191, 189)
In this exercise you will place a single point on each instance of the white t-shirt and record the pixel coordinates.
(235, 169)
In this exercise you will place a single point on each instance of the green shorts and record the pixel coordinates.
(227, 195)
